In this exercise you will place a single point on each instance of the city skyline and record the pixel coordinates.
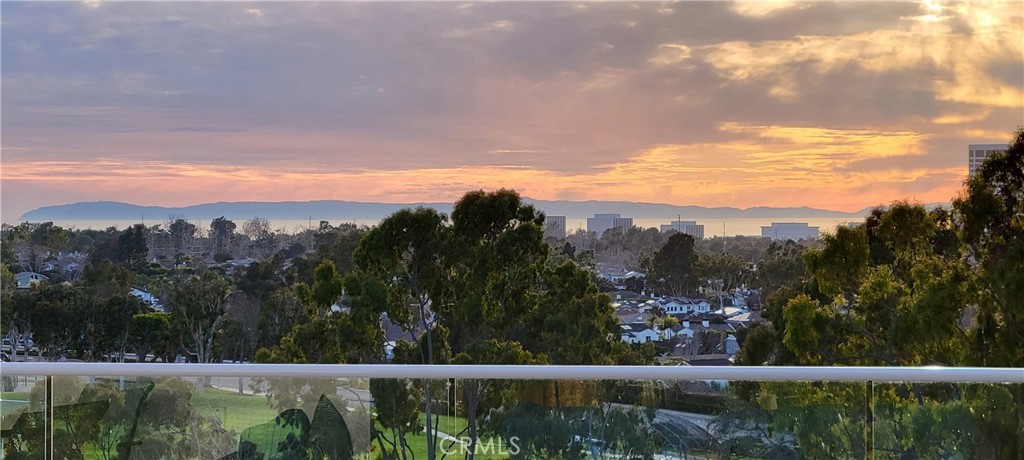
(710, 104)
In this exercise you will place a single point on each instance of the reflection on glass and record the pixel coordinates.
(304, 418)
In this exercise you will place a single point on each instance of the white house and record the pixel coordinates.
(619, 275)
(638, 333)
(28, 279)
(148, 298)
(681, 305)
(731, 345)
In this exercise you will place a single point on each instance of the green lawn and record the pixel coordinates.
(236, 412)
(10, 401)
(239, 413)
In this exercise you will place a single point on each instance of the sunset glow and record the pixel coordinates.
(829, 105)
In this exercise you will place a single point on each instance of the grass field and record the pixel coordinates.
(236, 412)
(10, 401)
(239, 413)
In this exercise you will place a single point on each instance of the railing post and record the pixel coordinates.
(49, 424)
(869, 425)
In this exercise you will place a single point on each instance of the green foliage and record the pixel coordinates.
(97, 420)
(329, 436)
(725, 271)
(222, 236)
(910, 287)
(991, 216)
(326, 288)
(781, 267)
(197, 307)
(841, 263)
(672, 269)
(397, 405)
(150, 332)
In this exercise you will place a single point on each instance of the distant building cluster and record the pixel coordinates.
(697, 333)
(796, 231)
(601, 222)
(978, 153)
(688, 227)
(554, 227)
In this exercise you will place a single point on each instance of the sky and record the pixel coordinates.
(834, 105)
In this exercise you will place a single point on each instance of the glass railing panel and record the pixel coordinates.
(24, 415)
(192, 418)
(947, 420)
(101, 417)
(661, 419)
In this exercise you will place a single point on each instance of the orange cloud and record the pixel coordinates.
(790, 166)
(925, 41)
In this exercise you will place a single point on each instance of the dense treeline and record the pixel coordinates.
(908, 287)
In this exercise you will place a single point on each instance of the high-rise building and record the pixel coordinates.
(795, 231)
(601, 222)
(554, 227)
(977, 153)
(689, 227)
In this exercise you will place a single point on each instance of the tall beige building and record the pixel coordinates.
(977, 153)
(554, 227)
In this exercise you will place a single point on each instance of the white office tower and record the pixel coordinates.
(601, 222)
(554, 227)
(689, 227)
(781, 231)
(978, 153)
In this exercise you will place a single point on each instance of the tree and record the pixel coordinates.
(404, 252)
(781, 267)
(222, 236)
(721, 273)
(891, 292)
(478, 288)
(278, 314)
(106, 315)
(261, 238)
(56, 312)
(132, 248)
(573, 321)
(991, 219)
(197, 305)
(238, 336)
(672, 269)
(991, 213)
(149, 332)
(182, 234)
(840, 264)
(8, 289)
(108, 326)
(325, 291)
(397, 403)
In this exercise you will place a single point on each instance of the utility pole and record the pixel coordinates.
(723, 236)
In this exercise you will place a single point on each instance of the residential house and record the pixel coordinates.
(29, 279)
(639, 333)
(148, 298)
(684, 305)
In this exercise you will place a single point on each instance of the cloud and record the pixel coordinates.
(690, 102)
(763, 8)
(957, 60)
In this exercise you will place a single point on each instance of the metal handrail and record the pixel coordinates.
(532, 372)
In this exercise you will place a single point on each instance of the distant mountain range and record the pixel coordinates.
(352, 210)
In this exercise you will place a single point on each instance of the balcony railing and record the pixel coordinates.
(256, 411)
